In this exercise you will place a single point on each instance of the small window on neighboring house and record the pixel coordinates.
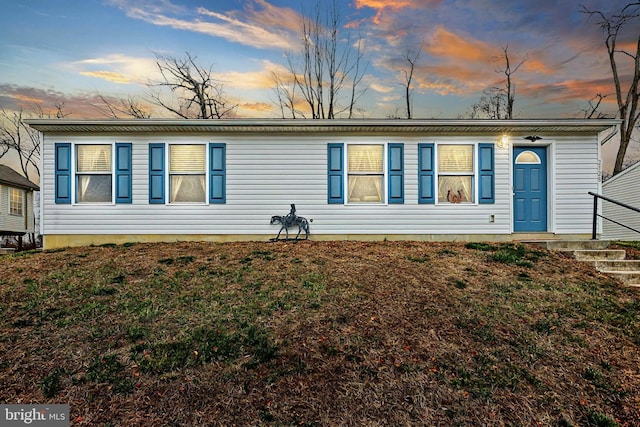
(455, 174)
(187, 174)
(16, 201)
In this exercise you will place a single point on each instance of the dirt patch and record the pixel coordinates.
(319, 333)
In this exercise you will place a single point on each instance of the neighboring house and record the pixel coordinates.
(625, 188)
(16, 203)
(221, 180)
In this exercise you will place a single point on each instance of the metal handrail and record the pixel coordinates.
(596, 214)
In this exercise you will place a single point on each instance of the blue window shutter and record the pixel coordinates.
(486, 174)
(335, 173)
(123, 172)
(63, 173)
(396, 173)
(217, 173)
(426, 174)
(156, 173)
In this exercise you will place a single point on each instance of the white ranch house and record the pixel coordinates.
(222, 180)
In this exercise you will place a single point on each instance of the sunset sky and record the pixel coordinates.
(69, 50)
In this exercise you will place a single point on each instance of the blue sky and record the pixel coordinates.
(66, 51)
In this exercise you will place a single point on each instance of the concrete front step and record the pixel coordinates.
(574, 245)
(608, 261)
(629, 278)
(599, 254)
(618, 265)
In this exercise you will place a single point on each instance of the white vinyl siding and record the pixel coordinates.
(574, 165)
(264, 175)
(622, 188)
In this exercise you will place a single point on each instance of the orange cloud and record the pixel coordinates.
(536, 66)
(111, 76)
(26, 99)
(569, 90)
(444, 43)
(381, 5)
(257, 107)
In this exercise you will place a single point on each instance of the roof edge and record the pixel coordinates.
(306, 125)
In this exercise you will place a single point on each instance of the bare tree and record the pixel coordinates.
(286, 96)
(612, 26)
(592, 109)
(495, 102)
(325, 66)
(195, 93)
(17, 136)
(510, 87)
(119, 108)
(491, 105)
(411, 58)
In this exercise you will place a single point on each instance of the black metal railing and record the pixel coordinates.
(596, 214)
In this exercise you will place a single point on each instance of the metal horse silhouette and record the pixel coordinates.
(291, 220)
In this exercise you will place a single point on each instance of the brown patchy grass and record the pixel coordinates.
(319, 334)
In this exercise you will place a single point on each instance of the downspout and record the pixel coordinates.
(611, 135)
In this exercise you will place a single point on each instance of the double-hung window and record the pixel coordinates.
(92, 173)
(190, 173)
(455, 174)
(365, 173)
(361, 173)
(187, 173)
(16, 201)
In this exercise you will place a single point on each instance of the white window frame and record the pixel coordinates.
(74, 180)
(168, 174)
(473, 174)
(12, 211)
(385, 174)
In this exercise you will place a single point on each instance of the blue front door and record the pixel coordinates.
(530, 189)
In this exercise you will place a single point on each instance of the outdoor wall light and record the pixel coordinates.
(503, 141)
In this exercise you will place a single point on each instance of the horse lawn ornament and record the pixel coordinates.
(291, 220)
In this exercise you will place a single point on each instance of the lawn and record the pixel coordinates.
(319, 334)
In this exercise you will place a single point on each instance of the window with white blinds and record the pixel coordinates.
(366, 158)
(455, 173)
(187, 174)
(93, 158)
(365, 175)
(455, 158)
(187, 158)
(94, 173)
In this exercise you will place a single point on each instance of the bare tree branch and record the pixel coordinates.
(326, 65)
(195, 93)
(612, 26)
